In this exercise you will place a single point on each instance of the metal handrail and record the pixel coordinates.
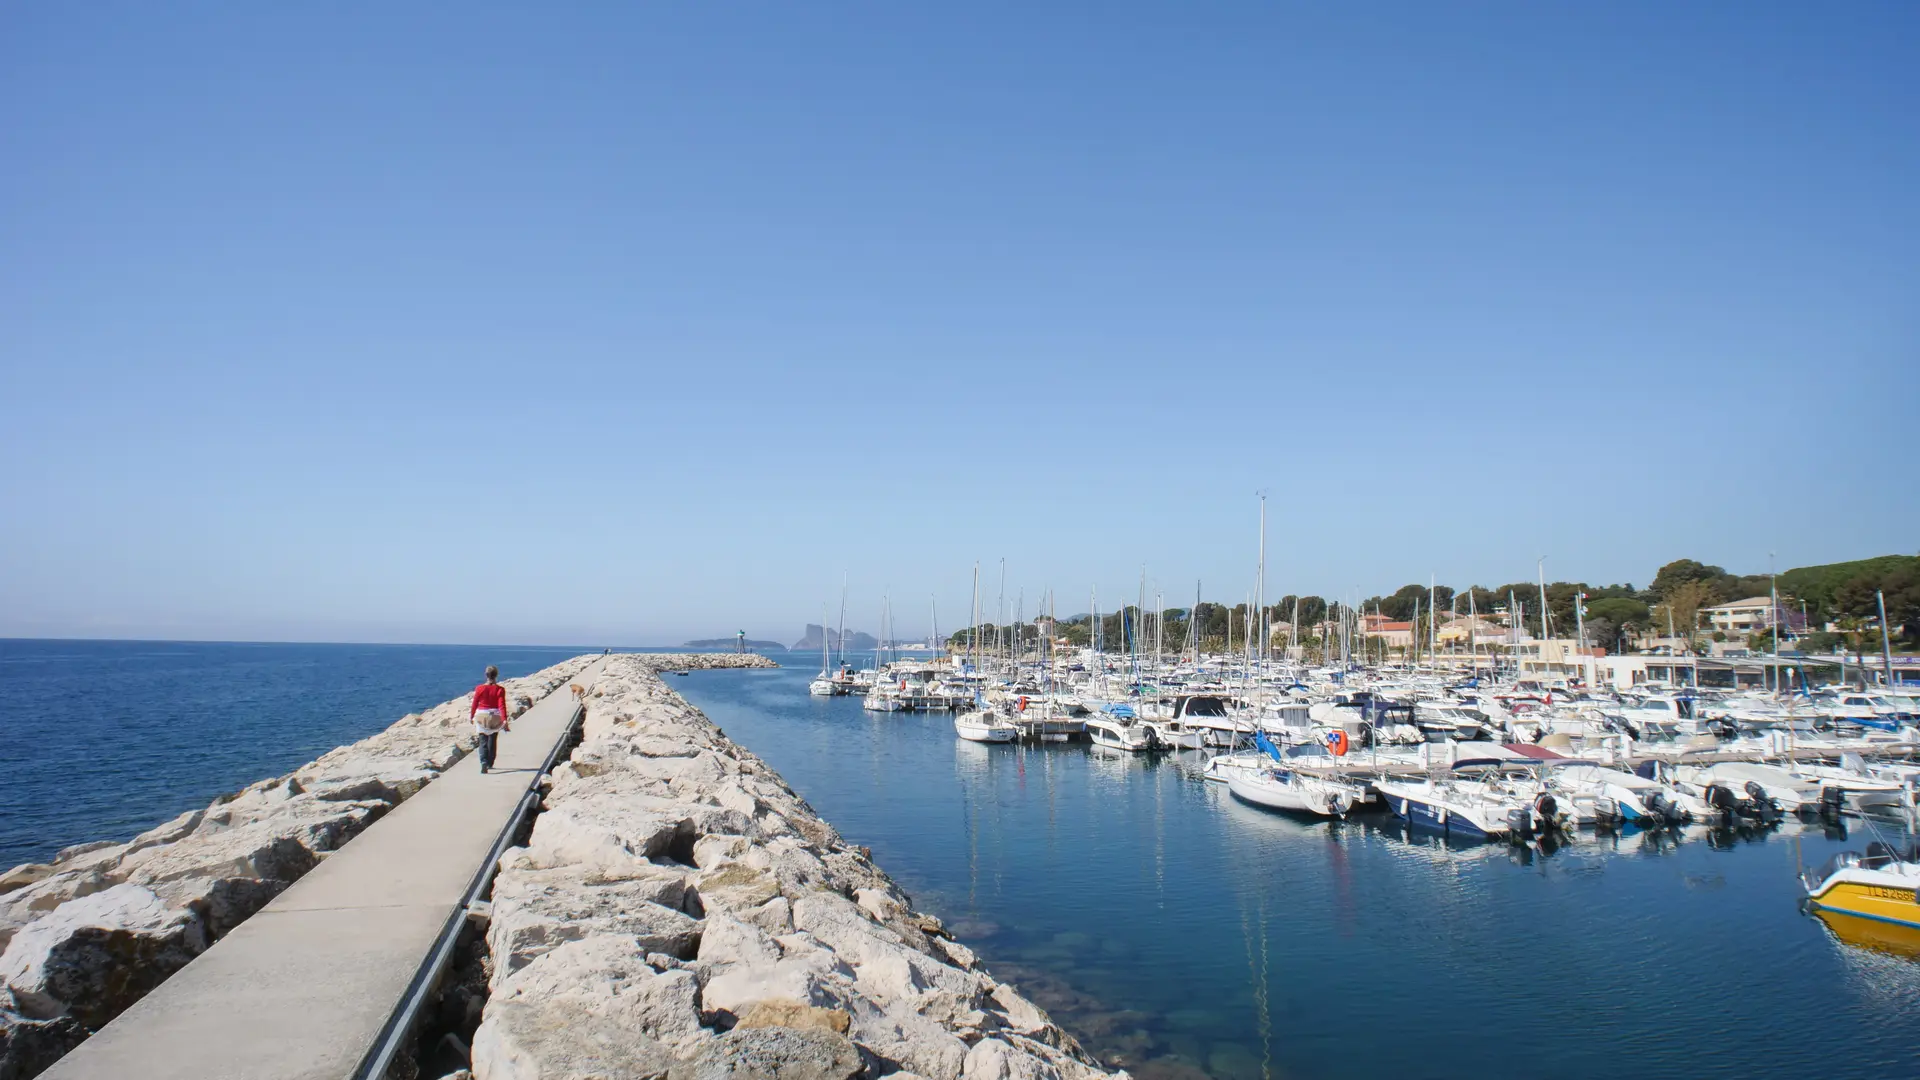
(393, 1035)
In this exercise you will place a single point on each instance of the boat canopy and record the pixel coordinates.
(1124, 712)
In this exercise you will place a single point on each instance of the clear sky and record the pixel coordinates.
(633, 322)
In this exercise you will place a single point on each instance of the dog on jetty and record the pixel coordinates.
(579, 692)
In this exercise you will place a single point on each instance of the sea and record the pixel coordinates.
(106, 739)
(1172, 929)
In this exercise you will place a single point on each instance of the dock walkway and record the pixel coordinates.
(304, 989)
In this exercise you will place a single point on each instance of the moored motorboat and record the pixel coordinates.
(1115, 727)
(985, 726)
(1436, 804)
(1638, 799)
(1176, 734)
(1878, 885)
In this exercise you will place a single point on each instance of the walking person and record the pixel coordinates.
(489, 715)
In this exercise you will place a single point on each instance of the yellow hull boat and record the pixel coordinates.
(1879, 886)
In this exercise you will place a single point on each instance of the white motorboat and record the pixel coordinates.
(1112, 729)
(1852, 785)
(822, 687)
(1288, 789)
(1438, 804)
(884, 697)
(1638, 799)
(980, 725)
(1765, 784)
(1175, 734)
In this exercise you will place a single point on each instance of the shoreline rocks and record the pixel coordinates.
(678, 911)
(86, 935)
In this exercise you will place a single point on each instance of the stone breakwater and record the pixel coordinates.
(679, 912)
(89, 933)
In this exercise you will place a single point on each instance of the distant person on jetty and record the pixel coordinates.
(489, 714)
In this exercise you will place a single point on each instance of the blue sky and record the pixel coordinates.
(634, 322)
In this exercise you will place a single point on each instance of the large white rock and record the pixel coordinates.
(96, 955)
(774, 1053)
(591, 834)
(531, 925)
(993, 1059)
(589, 1009)
(741, 965)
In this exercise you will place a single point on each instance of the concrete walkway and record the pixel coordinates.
(301, 990)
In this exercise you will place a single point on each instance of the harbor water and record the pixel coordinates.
(1181, 933)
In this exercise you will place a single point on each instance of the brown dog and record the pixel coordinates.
(579, 692)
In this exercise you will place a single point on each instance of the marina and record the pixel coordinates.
(1178, 929)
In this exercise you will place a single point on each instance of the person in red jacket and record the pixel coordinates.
(489, 715)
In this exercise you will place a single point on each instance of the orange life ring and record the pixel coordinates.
(1023, 704)
(1337, 742)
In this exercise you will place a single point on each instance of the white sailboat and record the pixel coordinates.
(823, 686)
(1287, 789)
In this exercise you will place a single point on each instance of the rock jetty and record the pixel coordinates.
(679, 912)
(87, 934)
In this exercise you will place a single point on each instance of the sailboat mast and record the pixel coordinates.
(1544, 632)
(1473, 619)
(1000, 610)
(1260, 583)
(973, 635)
(1093, 637)
(841, 634)
(1433, 627)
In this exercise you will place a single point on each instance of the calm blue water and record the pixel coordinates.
(105, 739)
(1182, 933)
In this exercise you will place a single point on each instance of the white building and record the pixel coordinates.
(1742, 617)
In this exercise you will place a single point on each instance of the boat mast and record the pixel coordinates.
(1433, 628)
(841, 634)
(1260, 583)
(1000, 610)
(1886, 643)
(1544, 632)
(1473, 648)
(973, 635)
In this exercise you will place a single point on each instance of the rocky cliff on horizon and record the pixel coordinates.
(857, 640)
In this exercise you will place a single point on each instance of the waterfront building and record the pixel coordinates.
(1750, 616)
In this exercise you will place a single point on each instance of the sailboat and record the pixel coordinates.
(823, 686)
(1280, 788)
